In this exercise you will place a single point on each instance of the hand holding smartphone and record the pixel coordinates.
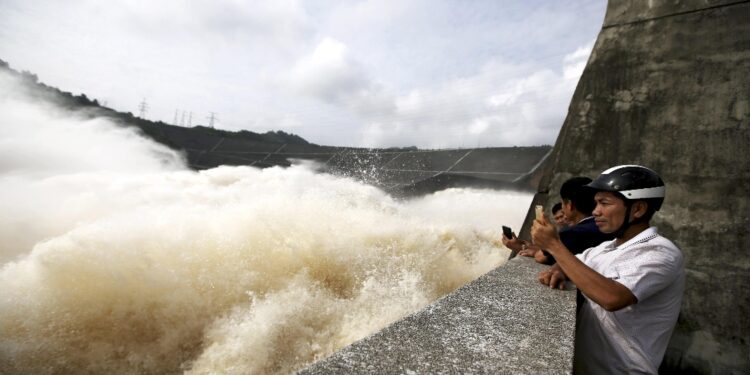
(507, 233)
(539, 212)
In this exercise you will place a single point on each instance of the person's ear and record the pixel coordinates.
(639, 209)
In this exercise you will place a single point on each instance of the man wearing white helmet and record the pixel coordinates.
(633, 285)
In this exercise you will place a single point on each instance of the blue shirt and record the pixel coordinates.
(581, 236)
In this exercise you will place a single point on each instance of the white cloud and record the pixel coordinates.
(331, 75)
(504, 104)
(328, 73)
(575, 62)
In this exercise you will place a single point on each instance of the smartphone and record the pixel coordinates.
(507, 232)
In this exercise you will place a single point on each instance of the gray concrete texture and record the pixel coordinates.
(502, 323)
(668, 86)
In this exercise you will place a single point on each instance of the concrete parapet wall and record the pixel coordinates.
(504, 322)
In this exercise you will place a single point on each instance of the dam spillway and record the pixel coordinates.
(404, 171)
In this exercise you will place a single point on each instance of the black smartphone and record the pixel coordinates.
(507, 232)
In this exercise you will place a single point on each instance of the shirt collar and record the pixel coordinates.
(640, 237)
(584, 219)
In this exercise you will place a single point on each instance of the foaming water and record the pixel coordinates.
(112, 268)
(236, 270)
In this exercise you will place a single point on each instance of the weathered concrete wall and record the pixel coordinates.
(668, 86)
(502, 323)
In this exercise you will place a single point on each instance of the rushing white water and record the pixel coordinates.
(117, 260)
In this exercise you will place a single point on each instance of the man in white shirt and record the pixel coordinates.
(633, 285)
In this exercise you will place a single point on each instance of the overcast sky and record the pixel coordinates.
(428, 73)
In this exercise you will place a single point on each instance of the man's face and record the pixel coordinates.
(559, 217)
(567, 210)
(609, 213)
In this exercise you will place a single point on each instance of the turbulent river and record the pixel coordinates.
(117, 259)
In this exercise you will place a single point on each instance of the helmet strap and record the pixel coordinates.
(626, 222)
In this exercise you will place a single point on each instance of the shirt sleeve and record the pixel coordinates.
(649, 272)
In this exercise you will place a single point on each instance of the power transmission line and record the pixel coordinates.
(211, 119)
(143, 107)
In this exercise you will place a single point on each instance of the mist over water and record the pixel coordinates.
(117, 259)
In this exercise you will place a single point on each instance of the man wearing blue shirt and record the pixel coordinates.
(581, 234)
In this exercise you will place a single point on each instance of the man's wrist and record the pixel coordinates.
(556, 248)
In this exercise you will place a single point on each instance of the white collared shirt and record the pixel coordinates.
(633, 339)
